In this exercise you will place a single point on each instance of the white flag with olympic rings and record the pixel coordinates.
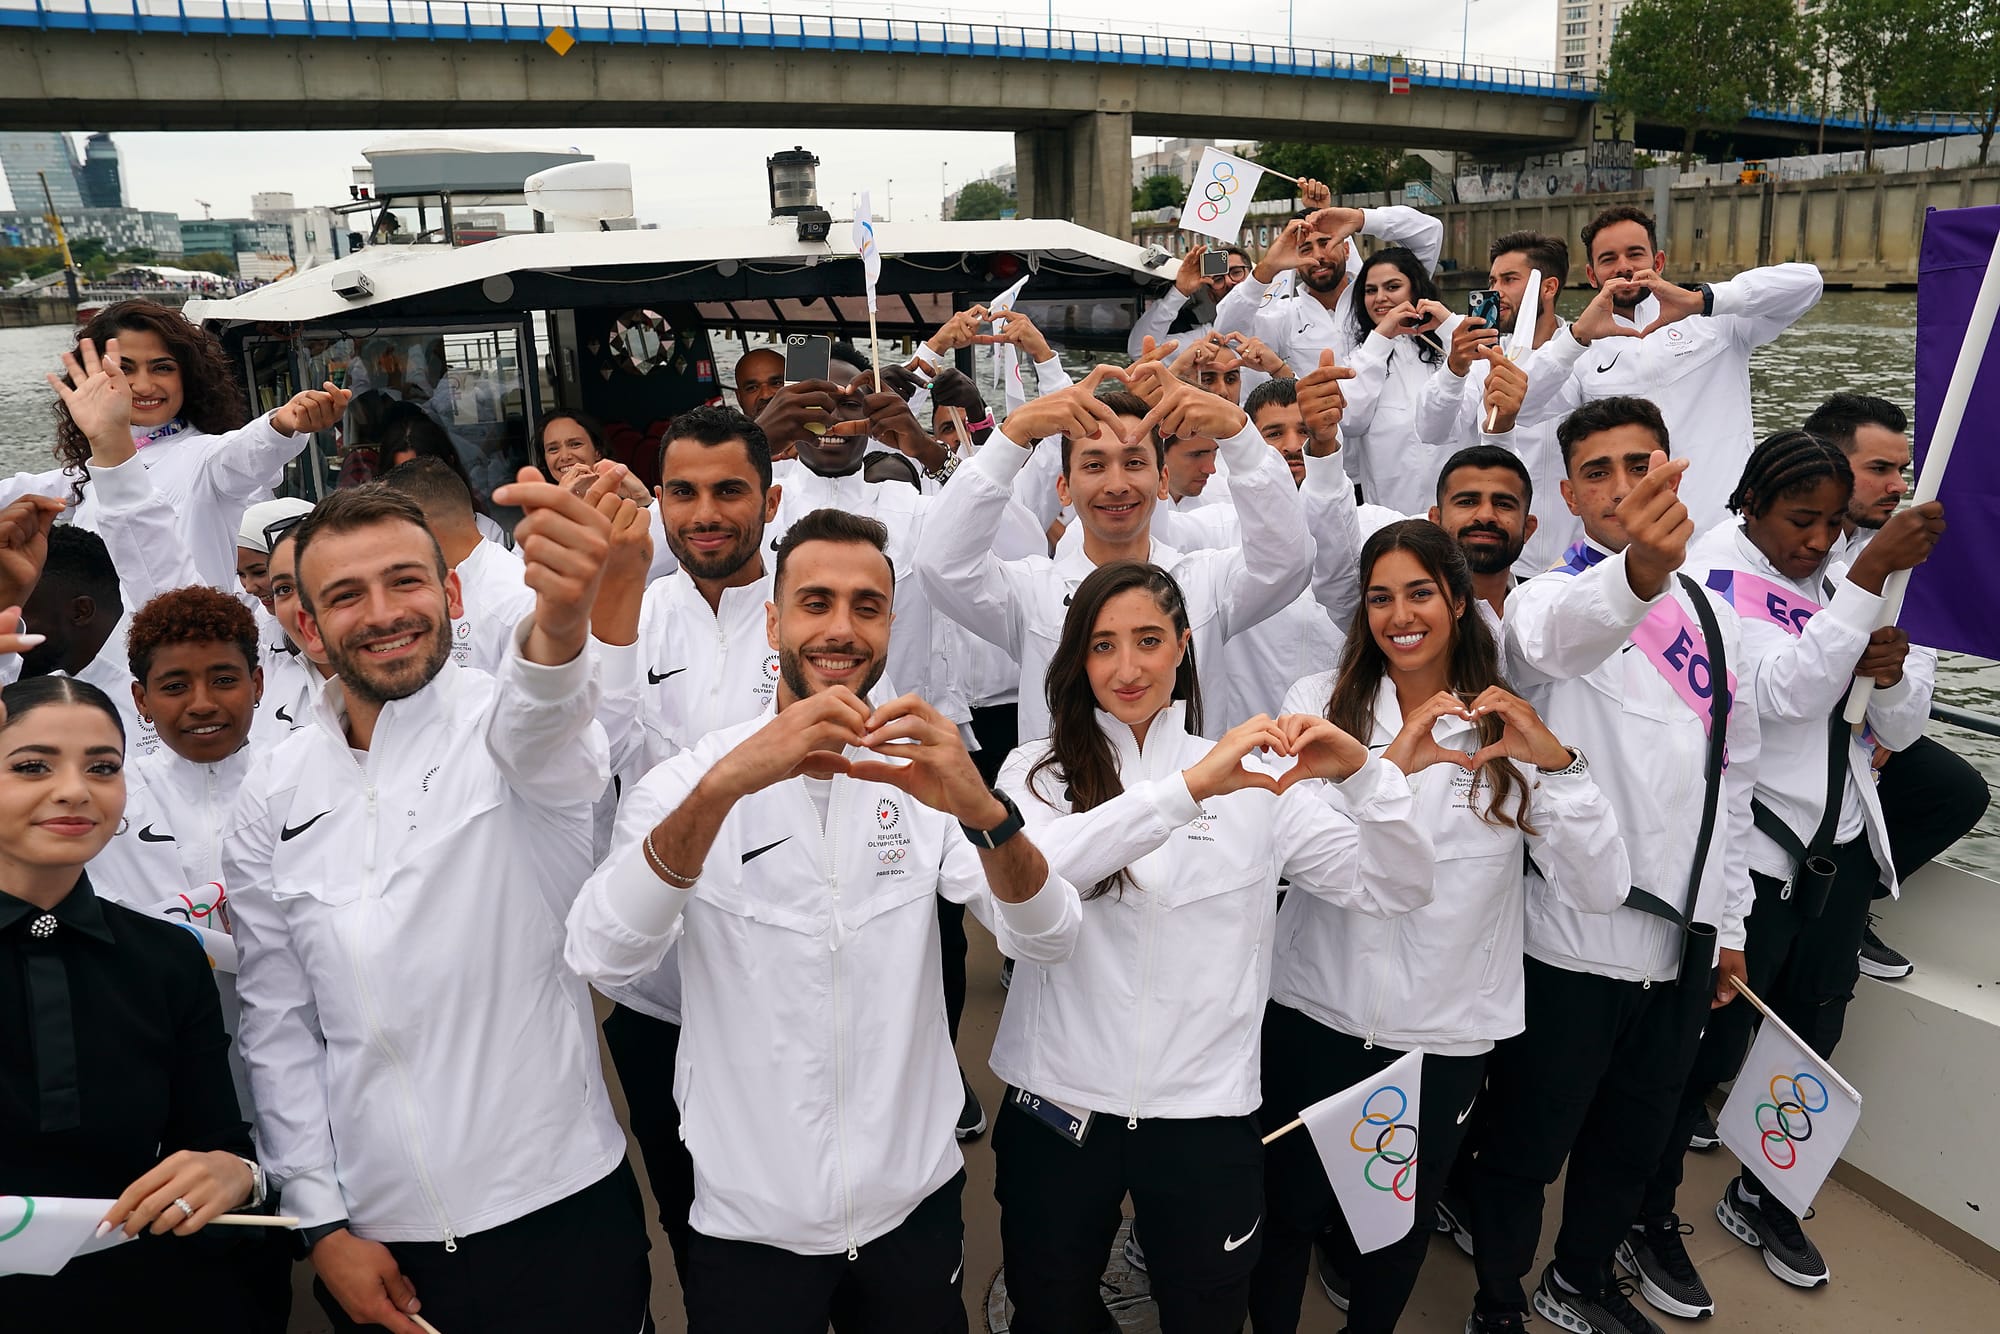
(1367, 1139)
(1218, 203)
(1788, 1116)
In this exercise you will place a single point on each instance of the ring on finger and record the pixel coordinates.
(185, 1208)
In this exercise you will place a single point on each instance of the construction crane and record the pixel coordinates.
(207, 209)
(54, 220)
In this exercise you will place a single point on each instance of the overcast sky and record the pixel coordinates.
(171, 171)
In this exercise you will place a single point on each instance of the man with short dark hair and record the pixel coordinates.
(399, 870)
(1484, 500)
(491, 597)
(791, 860)
(1684, 347)
(760, 374)
(1186, 311)
(1930, 796)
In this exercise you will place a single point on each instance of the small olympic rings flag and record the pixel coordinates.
(1366, 1137)
(1218, 203)
(1789, 1116)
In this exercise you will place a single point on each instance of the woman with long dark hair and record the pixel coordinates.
(187, 420)
(1133, 1066)
(1351, 994)
(568, 441)
(114, 1078)
(1399, 326)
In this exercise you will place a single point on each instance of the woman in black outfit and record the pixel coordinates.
(114, 1080)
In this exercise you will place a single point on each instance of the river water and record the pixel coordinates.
(1859, 341)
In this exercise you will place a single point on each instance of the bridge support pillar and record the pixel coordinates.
(1080, 172)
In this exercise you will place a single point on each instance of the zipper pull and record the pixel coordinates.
(853, 1252)
(450, 1242)
(1369, 1045)
(1131, 1123)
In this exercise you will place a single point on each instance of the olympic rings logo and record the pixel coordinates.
(1388, 1128)
(193, 911)
(27, 1217)
(1215, 201)
(1791, 1117)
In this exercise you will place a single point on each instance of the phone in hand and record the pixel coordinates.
(1214, 263)
(1484, 305)
(807, 357)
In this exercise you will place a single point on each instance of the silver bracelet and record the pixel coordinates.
(665, 872)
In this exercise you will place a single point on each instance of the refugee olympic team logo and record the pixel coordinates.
(1216, 192)
(887, 814)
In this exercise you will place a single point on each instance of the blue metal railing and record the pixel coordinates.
(469, 20)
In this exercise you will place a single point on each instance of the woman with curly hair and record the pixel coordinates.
(187, 420)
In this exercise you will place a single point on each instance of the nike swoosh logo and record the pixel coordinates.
(147, 835)
(1613, 362)
(1231, 1243)
(656, 677)
(290, 832)
(283, 717)
(1468, 1110)
(956, 1272)
(755, 853)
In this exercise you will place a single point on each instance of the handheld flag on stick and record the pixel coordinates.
(871, 268)
(1006, 360)
(1951, 594)
(1789, 1114)
(39, 1234)
(1523, 341)
(1218, 203)
(1367, 1140)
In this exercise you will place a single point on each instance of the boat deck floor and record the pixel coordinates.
(1886, 1275)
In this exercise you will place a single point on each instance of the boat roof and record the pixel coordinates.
(755, 277)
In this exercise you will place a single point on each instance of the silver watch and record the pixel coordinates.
(1577, 765)
(258, 1186)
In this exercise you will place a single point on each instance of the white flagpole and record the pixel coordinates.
(1971, 353)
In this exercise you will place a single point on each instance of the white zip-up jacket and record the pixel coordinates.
(1019, 605)
(1393, 462)
(1159, 1011)
(494, 595)
(1447, 977)
(1800, 677)
(1697, 372)
(1571, 648)
(817, 1084)
(1286, 316)
(1451, 412)
(424, 1065)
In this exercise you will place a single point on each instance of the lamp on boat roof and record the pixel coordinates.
(795, 192)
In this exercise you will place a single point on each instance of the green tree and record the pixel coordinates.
(1960, 50)
(84, 249)
(1873, 44)
(138, 255)
(212, 261)
(1159, 192)
(1702, 64)
(1344, 169)
(27, 261)
(981, 201)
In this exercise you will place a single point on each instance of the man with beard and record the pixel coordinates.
(1685, 348)
(1931, 797)
(1186, 311)
(491, 597)
(791, 860)
(425, 1071)
(1315, 313)
(1484, 499)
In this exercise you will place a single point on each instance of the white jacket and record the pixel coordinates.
(1697, 371)
(495, 596)
(1800, 677)
(424, 1064)
(816, 1081)
(1382, 444)
(1286, 316)
(1019, 605)
(1159, 1011)
(1570, 648)
(1447, 978)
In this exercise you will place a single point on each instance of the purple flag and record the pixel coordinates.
(1954, 595)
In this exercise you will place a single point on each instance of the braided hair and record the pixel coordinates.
(1787, 463)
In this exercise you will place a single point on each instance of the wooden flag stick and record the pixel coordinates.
(1285, 1129)
(874, 348)
(1743, 989)
(426, 1326)
(253, 1220)
(956, 416)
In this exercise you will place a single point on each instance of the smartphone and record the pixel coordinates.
(1215, 263)
(1484, 304)
(807, 357)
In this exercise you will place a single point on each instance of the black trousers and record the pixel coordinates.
(1305, 1061)
(1595, 1080)
(995, 727)
(1804, 968)
(1931, 798)
(1197, 1188)
(578, 1264)
(642, 1051)
(907, 1281)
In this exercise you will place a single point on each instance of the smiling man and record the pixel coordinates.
(401, 866)
(1483, 499)
(791, 861)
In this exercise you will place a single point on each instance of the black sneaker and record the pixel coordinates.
(1654, 1254)
(1006, 974)
(971, 1117)
(1451, 1217)
(1607, 1312)
(1331, 1281)
(1878, 959)
(1703, 1135)
(1499, 1322)
(1771, 1228)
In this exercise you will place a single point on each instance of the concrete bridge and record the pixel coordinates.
(1073, 98)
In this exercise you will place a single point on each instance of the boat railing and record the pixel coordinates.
(1983, 723)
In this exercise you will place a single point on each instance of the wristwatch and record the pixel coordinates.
(259, 1187)
(1577, 765)
(1000, 833)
